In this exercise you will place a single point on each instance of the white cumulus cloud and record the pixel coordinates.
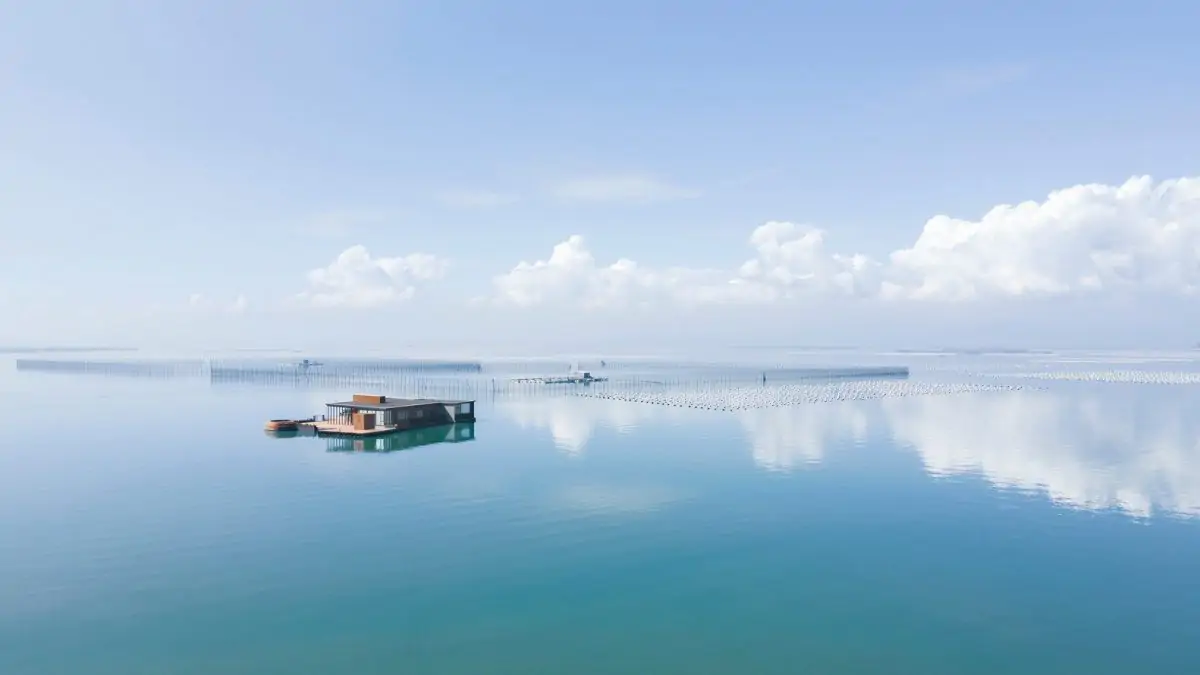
(791, 259)
(356, 280)
(571, 275)
(1139, 236)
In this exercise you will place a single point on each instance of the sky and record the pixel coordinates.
(537, 174)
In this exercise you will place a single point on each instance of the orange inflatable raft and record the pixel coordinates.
(282, 425)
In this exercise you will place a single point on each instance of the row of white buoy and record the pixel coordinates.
(747, 398)
(1117, 376)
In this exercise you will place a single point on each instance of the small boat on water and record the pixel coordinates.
(289, 425)
(282, 425)
(583, 377)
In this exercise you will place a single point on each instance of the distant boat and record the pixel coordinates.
(575, 377)
(306, 364)
(584, 377)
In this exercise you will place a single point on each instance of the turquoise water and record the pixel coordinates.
(149, 526)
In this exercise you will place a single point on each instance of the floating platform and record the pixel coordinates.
(325, 428)
(750, 398)
(369, 415)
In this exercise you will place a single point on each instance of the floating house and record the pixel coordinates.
(374, 414)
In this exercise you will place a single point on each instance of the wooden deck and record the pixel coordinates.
(335, 429)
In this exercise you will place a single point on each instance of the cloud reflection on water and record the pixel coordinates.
(782, 439)
(1135, 450)
(1137, 455)
(572, 420)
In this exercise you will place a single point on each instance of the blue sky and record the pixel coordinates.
(160, 160)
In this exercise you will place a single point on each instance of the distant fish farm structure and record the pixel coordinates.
(247, 370)
(467, 380)
(438, 393)
(349, 367)
(161, 369)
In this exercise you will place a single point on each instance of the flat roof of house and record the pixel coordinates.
(394, 403)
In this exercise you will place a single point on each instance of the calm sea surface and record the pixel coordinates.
(150, 526)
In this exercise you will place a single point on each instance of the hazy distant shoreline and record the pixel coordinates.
(63, 350)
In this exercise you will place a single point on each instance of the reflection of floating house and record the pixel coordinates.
(403, 440)
(372, 414)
